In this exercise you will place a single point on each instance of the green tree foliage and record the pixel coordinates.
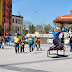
(47, 28)
(24, 29)
(39, 28)
(31, 29)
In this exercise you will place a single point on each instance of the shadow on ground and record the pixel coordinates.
(20, 69)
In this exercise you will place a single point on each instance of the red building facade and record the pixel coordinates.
(7, 15)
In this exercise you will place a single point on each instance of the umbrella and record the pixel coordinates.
(8, 39)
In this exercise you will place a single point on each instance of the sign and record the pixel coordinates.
(49, 40)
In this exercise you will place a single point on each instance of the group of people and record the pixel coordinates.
(33, 42)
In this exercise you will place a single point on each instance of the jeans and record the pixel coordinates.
(39, 45)
(22, 48)
(30, 47)
(36, 46)
(16, 45)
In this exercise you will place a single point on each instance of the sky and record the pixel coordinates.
(41, 11)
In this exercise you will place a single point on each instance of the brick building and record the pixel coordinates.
(6, 15)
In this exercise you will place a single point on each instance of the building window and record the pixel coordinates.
(20, 22)
(3, 14)
(8, 9)
(16, 20)
(13, 20)
(8, 21)
(9, 4)
(8, 15)
(4, 3)
(4, 8)
(3, 20)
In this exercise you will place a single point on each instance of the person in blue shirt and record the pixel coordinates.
(30, 40)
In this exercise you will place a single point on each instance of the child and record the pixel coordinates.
(22, 45)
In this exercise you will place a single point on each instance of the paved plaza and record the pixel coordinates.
(36, 61)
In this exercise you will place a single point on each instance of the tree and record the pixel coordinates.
(31, 29)
(26, 24)
(39, 28)
(24, 29)
(47, 28)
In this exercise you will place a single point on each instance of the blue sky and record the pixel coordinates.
(41, 11)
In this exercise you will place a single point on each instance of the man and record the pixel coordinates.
(17, 41)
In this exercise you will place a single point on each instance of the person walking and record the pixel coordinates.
(3, 42)
(16, 41)
(22, 45)
(35, 43)
(70, 43)
(39, 44)
(30, 40)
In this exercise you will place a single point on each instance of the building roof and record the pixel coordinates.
(17, 16)
(64, 19)
(71, 10)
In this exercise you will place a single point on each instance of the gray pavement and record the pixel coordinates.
(37, 61)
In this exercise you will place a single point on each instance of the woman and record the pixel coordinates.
(30, 40)
(39, 43)
(35, 43)
(70, 42)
